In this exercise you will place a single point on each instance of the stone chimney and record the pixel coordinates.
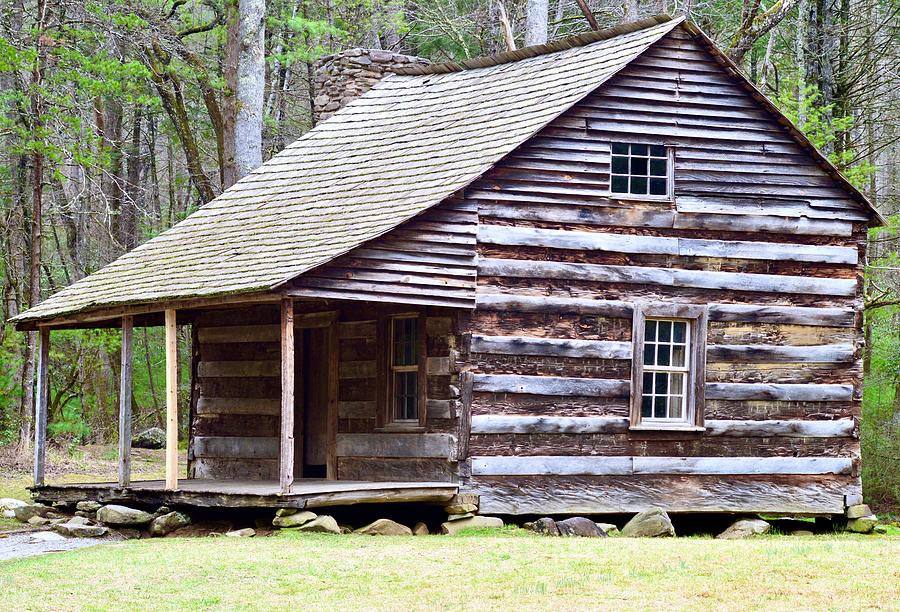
(345, 76)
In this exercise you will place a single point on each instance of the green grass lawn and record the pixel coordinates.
(477, 571)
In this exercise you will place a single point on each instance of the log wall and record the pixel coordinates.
(757, 231)
(235, 424)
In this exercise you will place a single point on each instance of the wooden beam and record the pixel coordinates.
(656, 245)
(745, 313)
(465, 419)
(125, 394)
(612, 466)
(779, 392)
(551, 347)
(502, 424)
(667, 277)
(41, 400)
(171, 401)
(331, 427)
(765, 353)
(551, 385)
(286, 451)
(399, 445)
(586, 495)
(237, 447)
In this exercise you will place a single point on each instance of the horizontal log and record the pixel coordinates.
(356, 329)
(749, 313)
(765, 353)
(794, 315)
(779, 392)
(552, 347)
(238, 405)
(502, 424)
(657, 245)
(238, 369)
(437, 366)
(503, 302)
(551, 385)
(356, 369)
(611, 466)
(397, 445)
(542, 495)
(667, 277)
(441, 408)
(239, 333)
(236, 447)
(560, 210)
(362, 409)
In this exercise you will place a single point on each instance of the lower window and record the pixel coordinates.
(669, 356)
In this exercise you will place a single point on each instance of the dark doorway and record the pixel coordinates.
(311, 402)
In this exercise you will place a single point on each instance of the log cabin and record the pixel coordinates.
(593, 276)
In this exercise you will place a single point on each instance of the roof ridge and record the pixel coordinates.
(506, 57)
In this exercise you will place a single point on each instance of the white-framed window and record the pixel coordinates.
(640, 171)
(668, 366)
(667, 357)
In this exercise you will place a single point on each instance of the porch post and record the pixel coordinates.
(125, 391)
(286, 454)
(41, 397)
(171, 402)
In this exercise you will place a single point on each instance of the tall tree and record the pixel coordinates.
(245, 82)
(536, 22)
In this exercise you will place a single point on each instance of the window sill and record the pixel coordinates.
(664, 427)
(633, 197)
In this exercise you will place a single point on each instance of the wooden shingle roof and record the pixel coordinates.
(400, 149)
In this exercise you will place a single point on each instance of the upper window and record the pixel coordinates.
(640, 170)
(669, 366)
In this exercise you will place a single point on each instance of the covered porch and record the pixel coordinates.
(285, 409)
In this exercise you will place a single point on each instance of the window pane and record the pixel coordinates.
(639, 185)
(650, 330)
(662, 383)
(665, 331)
(658, 167)
(676, 385)
(678, 356)
(620, 148)
(639, 166)
(406, 395)
(658, 187)
(658, 151)
(678, 329)
(659, 407)
(675, 408)
(648, 383)
(405, 341)
(649, 354)
(639, 149)
(620, 184)
(619, 165)
(647, 407)
(663, 354)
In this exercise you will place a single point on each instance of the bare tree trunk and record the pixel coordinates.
(128, 226)
(245, 81)
(34, 284)
(536, 16)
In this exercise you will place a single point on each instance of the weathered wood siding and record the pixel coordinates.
(364, 452)
(757, 230)
(235, 422)
(429, 260)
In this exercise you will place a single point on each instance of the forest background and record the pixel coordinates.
(118, 118)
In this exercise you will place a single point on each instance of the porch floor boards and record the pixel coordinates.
(306, 493)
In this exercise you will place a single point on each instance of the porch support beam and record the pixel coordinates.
(171, 401)
(125, 393)
(41, 397)
(286, 447)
